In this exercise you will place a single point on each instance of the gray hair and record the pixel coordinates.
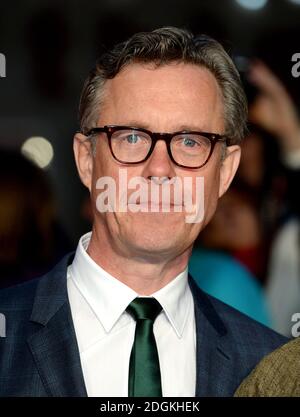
(160, 47)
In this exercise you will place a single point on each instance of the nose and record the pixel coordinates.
(159, 163)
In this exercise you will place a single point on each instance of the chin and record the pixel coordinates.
(153, 249)
(157, 224)
(156, 236)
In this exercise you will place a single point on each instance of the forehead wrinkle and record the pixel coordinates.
(118, 96)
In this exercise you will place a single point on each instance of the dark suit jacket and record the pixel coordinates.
(39, 355)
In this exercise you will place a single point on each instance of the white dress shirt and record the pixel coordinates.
(105, 331)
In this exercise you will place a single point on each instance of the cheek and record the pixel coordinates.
(102, 167)
(211, 194)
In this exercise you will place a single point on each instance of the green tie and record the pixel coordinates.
(144, 372)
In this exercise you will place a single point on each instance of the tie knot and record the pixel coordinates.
(144, 308)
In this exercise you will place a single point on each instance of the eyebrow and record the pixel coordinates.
(191, 127)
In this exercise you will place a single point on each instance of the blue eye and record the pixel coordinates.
(133, 138)
(189, 142)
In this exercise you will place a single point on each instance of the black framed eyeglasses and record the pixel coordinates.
(187, 149)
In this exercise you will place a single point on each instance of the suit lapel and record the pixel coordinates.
(214, 375)
(54, 346)
(53, 340)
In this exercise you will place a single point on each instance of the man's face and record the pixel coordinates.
(169, 98)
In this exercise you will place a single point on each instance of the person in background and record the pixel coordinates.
(283, 286)
(222, 276)
(277, 375)
(234, 229)
(31, 238)
(238, 239)
(248, 215)
(256, 222)
(275, 111)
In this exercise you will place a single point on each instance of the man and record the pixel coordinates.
(122, 317)
(277, 375)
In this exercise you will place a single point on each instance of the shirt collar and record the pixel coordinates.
(175, 300)
(98, 288)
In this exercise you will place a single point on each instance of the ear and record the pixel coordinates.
(229, 167)
(83, 158)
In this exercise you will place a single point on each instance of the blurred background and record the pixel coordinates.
(249, 255)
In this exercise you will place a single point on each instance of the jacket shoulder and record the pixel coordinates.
(19, 302)
(19, 297)
(242, 331)
(245, 330)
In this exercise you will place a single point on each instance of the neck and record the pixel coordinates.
(144, 274)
